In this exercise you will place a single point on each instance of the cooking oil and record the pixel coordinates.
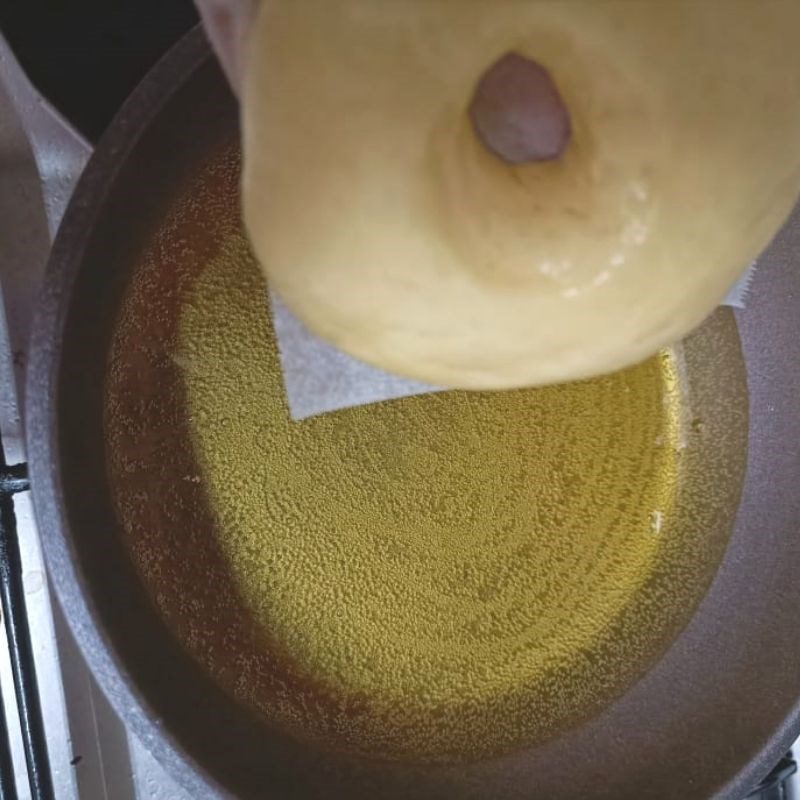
(441, 577)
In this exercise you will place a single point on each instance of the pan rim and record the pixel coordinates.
(139, 110)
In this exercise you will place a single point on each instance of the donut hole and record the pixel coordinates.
(517, 112)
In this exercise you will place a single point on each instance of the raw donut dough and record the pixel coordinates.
(392, 231)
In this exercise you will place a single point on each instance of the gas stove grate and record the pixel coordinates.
(14, 479)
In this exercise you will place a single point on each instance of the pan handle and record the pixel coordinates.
(59, 150)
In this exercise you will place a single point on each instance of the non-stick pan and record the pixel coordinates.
(709, 718)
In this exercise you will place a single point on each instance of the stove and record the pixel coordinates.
(59, 737)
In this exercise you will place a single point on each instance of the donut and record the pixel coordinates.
(492, 194)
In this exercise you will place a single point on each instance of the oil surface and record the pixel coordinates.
(440, 577)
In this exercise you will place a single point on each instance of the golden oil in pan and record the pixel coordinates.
(439, 577)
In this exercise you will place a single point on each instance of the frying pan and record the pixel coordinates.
(709, 719)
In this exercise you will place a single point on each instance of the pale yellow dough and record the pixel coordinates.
(389, 229)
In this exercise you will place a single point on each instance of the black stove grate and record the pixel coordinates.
(778, 784)
(14, 479)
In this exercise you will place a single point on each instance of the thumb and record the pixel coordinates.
(226, 23)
